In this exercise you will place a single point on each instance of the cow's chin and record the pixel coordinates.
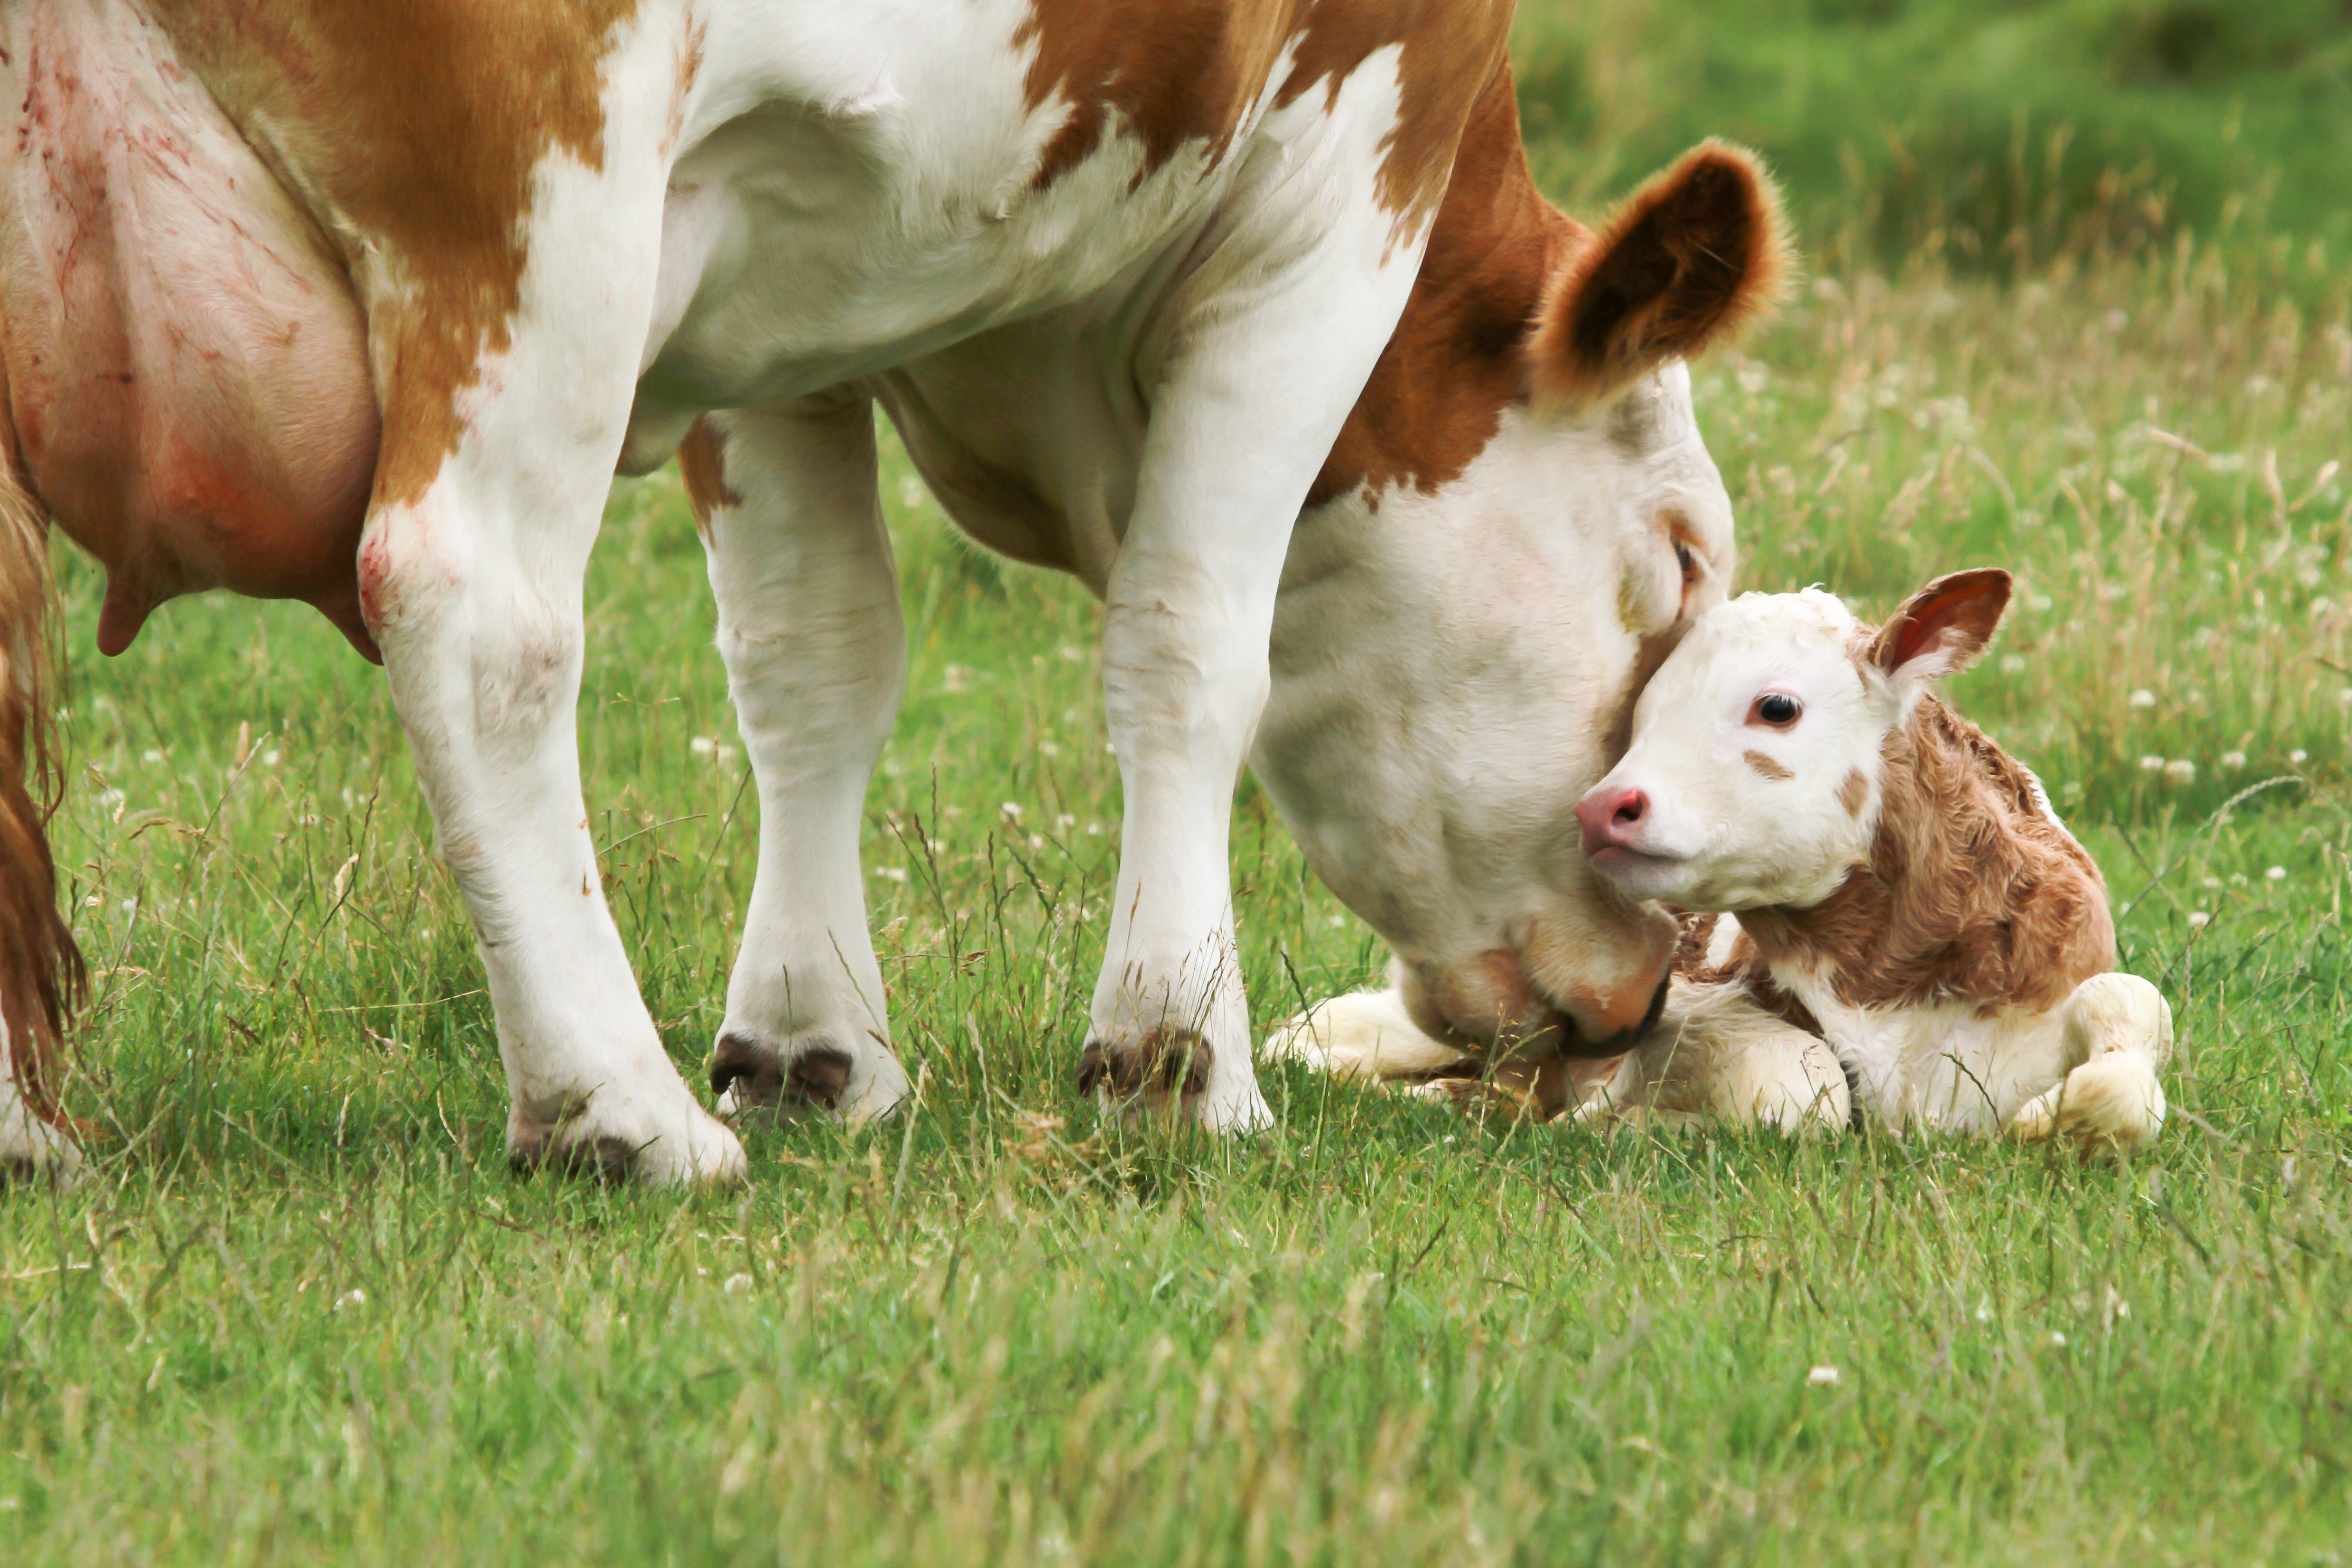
(1641, 876)
(1522, 1004)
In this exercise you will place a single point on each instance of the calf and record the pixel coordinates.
(1890, 918)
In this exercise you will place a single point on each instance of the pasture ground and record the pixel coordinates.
(299, 1311)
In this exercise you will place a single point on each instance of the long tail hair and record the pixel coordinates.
(41, 974)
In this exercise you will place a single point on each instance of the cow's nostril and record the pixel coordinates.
(1631, 806)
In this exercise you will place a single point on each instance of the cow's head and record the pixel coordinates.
(1523, 519)
(1754, 778)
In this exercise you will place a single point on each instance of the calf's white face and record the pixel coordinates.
(1753, 778)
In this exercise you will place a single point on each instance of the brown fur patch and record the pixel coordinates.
(1971, 894)
(1743, 966)
(1691, 256)
(1458, 355)
(418, 126)
(1854, 794)
(41, 974)
(1175, 72)
(1769, 767)
(702, 464)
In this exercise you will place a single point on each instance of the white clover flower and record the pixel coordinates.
(1065, 822)
(1047, 749)
(1012, 811)
(111, 800)
(702, 746)
(897, 874)
(2012, 664)
(2151, 765)
(2276, 873)
(2297, 758)
(737, 1284)
(1984, 1309)
(1822, 1376)
(2233, 760)
(270, 758)
(1072, 653)
(2143, 698)
(954, 679)
(2057, 1339)
(352, 1298)
(2181, 770)
(2199, 919)
(150, 755)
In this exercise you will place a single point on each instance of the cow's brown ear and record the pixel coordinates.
(1943, 627)
(1693, 256)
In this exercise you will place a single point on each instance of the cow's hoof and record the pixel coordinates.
(624, 1143)
(1165, 1065)
(811, 1076)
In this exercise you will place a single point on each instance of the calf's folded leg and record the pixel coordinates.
(2119, 1033)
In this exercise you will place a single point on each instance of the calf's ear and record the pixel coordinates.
(1943, 627)
(1691, 257)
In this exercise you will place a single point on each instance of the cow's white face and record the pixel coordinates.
(1753, 778)
(1461, 632)
(1451, 671)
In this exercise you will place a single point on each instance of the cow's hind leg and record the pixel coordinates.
(2119, 1033)
(815, 645)
(40, 969)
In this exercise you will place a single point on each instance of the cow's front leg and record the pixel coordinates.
(1238, 430)
(815, 644)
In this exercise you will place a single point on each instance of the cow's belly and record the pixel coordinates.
(854, 224)
(186, 372)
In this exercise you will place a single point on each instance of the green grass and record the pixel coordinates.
(998, 1329)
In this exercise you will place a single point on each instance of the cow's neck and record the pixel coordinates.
(1457, 358)
(1971, 894)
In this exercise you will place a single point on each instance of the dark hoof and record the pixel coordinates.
(815, 1077)
(1165, 1062)
(606, 1161)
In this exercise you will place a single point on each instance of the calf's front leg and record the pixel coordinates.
(2118, 1032)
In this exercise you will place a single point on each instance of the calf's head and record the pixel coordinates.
(1518, 520)
(1754, 775)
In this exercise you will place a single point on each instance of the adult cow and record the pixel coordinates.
(1245, 311)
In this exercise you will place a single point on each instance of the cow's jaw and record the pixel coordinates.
(1516, 605)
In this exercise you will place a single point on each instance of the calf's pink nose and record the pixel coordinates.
(1611, 817)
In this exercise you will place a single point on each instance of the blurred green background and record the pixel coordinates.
(1993, 133)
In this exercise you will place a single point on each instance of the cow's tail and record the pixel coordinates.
(41, 973)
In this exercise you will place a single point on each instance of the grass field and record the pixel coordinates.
(299, 1311)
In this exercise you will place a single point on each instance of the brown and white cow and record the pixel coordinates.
(1885, 899)
(1244, 311)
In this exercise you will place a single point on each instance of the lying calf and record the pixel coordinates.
(1894, 907)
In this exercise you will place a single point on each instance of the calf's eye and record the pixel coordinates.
(1777, 708)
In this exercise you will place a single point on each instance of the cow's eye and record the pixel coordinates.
(1683, 559)
(1776, 708)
